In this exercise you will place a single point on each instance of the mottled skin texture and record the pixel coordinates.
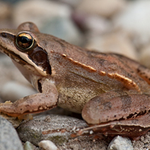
(110, 90)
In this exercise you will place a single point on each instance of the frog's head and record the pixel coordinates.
(23, 47)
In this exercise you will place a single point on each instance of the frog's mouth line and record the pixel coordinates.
(22, 60)
(13, 56)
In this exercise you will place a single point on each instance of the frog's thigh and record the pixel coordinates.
(110, 106)
(94, 110)
(30, 104)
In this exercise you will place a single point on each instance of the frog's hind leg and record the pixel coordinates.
(133, 128)
(116, 113)
(115, 106)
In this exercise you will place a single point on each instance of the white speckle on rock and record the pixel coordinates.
(91, 132)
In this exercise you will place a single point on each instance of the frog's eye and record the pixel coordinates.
(24, 41)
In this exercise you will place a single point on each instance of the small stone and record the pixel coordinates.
(13, 120)
(93, 24)
(54, 130)
(63, 28)
(13, 91)
(62, 130)
(39, 12)
(4, 10)
(145, 56)
(134, 19)
(72, 3)
(29, 146)
(9, 139)
(8, 71)
(47, 145)
(116, 42)
(105, 8)
(120, 143)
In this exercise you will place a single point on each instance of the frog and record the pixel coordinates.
(110, 91)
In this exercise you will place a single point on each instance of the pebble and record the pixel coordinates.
(4, 10)
(134, 20)
(113, 42)
(8, 71)
(12, 91)
(93, 24)
(143, 142)
(63, 28)
(15, 122)
(47, 145)
(48, 19)
(13, 85)
(120, 143)
(144, 56)
(29, 146)
(39, 13)
(9, 139)
(72, 3)
(50, 129)
(59, 129)
(105, 8)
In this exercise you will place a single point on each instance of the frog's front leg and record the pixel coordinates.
(33, 103)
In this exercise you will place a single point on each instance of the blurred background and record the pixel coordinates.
(120, 26)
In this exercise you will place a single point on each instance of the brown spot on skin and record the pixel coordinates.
(101, 61)
(107, 106)
(126, 102)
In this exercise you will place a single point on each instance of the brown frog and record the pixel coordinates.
(111, 91)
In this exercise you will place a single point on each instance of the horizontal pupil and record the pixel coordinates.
(24, 39)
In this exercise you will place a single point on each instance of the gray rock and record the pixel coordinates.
(134, 19)
(13, 90)
(9, 139)
(13, 120)
(47, 145)
(13, 85)
(62, 131)
(120, 143)
(41, 11)
(63, 28)
(105, 8)
(56, 128)
(115, 42)
(29, 146)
